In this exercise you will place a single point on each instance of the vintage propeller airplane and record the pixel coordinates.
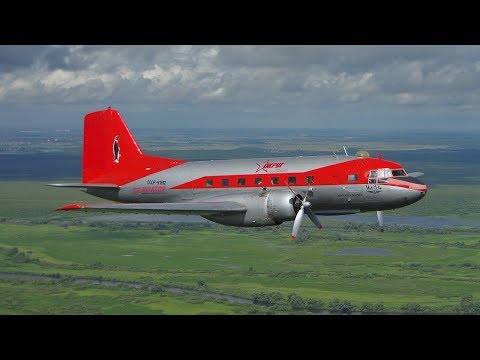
(246, 192)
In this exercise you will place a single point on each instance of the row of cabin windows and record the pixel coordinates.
(375, 176)
(292, 180)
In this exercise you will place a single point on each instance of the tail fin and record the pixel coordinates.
(111, 154)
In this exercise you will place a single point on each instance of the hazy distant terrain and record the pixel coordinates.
(445, 158)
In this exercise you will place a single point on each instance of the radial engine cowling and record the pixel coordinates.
(266, 208)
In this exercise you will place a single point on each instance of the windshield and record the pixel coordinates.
(381, 175)
(399, 172)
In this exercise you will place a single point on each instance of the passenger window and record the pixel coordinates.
(209, 182)
(225, 182)
(241, 182)
(352, 178)
(292, 180)
(258, 181)
(310, 179)
(398, 172)
(275, 180)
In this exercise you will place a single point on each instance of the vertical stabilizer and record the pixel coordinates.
(110, 153)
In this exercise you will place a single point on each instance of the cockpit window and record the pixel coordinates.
(380, 176)
(384, 173)
(399, 172)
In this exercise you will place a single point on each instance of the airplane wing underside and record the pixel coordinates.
(188, 208)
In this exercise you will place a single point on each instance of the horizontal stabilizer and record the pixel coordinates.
(187, 208)
(78, 185)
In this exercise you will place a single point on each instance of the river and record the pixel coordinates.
(130, 284)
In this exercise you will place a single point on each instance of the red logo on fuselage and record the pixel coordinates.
(267, 165)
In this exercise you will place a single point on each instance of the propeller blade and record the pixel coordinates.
(297, 223)
(294, 193)
(314, 218)
(416, 174)
(380, 219)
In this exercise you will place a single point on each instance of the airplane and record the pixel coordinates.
(242, 192)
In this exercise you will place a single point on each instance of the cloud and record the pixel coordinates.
(410, 99)
(270, 80)
(212, 95)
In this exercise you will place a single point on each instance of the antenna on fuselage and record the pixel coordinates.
(345, 151)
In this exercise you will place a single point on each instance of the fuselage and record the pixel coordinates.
(335, 184)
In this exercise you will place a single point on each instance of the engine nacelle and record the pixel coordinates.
(263, 209)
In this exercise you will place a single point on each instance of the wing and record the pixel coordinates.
(187, 208)
(87, 186)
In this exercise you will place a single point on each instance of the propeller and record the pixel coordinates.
(380, 220)
(416, 174)
(304, 208)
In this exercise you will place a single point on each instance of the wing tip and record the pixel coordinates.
(72, 207)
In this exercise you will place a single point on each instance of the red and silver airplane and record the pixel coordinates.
(245, 192)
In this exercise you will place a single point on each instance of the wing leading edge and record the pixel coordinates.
(91, 186)
(188, 208)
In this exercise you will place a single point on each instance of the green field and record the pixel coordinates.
(419, 270)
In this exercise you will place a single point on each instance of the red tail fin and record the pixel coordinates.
(111, 154)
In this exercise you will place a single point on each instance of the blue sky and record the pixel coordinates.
(348, 86)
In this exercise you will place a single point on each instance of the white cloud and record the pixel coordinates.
(126, 73)
(158, 75)
(212, 95)
(21, 85)
(362, 82)
(410, 98)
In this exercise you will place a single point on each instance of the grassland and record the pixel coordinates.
(434, 271)
(427, 269)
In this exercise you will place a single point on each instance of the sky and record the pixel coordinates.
(398, 87)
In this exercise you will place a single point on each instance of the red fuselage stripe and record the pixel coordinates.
(336, 174)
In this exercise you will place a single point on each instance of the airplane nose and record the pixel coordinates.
(423, 190)
(416, 184)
